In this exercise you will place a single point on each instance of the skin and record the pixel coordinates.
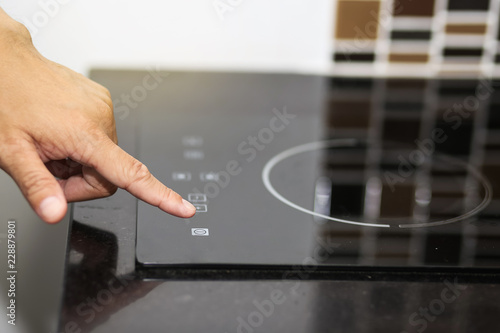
(58, 138)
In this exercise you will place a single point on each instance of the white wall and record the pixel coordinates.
(277, 35)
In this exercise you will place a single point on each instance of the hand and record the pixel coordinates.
(57, 123)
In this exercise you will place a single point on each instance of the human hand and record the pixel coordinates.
(57, 123)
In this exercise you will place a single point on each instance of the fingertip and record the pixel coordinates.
(189, 209)
(52, 209)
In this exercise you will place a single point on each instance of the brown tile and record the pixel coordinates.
(413, 7)
(397, 201)
(349, 114)
(492, 173)
(403, 57)
(463, 73)
(474, 29)
(401, 130)
(406, 84)
(357, 20)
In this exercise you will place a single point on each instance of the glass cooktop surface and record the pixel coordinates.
(294, 169)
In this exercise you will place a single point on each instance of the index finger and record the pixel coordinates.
(128, 173)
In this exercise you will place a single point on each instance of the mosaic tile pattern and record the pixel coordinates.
(416, 37)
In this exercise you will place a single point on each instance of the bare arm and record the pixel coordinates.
(55, 122)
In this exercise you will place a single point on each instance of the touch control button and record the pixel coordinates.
(200, 232)
(209, 176)
(191, 154)
(181, 176)
(200, 208)
(192, 141)
(197, 197)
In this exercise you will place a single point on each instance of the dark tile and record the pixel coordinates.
(468, 4)
(459, 89)
(458, 133)
(494, 117)
(357, 57)
(400, 131)
(411, 35)
(404, 106)
(492, 173)
(351, 84)
(462, 52)
(348, 200)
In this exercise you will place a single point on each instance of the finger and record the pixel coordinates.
(37, 184)
(114, 136)
(126, 172)
(108, 123)
(87, 185)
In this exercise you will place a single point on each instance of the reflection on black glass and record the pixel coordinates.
(400, 174)
(93, 292)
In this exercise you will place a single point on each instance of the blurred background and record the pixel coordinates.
(342, 37)
(227, 34)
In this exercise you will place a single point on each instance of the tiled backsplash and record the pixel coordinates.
(416, 37)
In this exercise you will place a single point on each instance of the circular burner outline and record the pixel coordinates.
(337, 143)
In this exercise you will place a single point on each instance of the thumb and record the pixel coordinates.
(37, 184)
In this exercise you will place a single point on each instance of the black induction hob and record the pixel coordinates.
(290, 170)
